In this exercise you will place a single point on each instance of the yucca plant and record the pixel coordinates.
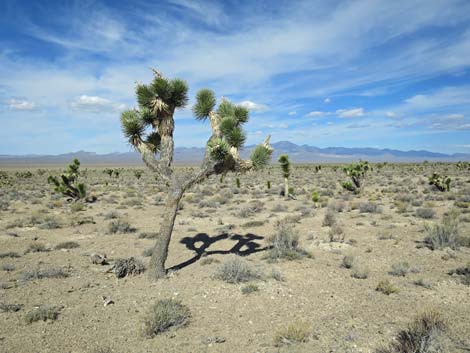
(149, 129)
(67, 184)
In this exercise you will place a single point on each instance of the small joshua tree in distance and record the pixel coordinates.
(285, 167)
(357, 173)
(67, 184)
(149, 129)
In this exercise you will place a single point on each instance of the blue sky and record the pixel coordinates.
(387, 74)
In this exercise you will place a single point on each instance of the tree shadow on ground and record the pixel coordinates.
(245, 245)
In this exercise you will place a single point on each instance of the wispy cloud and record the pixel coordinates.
(350, 113)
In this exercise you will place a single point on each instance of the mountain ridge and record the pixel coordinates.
(297, 153)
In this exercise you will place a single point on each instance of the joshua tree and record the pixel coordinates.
(285, 167)
(357, 173)
(149, 129)
(441, 182)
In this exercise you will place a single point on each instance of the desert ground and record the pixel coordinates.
(360, 273)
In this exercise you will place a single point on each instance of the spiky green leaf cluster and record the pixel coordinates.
(205, 103)
(285, 165)
(132, 125)
(260, 156)
(219, 149)
(174, 93)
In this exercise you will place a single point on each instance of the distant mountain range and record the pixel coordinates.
(193, 155)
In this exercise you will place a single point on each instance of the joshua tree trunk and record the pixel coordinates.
(286, 188)
(160, 250)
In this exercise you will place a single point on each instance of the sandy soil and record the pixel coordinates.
(345, 314)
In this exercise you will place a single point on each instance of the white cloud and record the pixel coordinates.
(455, 116)
(94, 104)
(283, 126)
(254, 107)
(327, 100)
(19, 104)
(391, 115)
(317, 114)
(350, 113)
(292, 113)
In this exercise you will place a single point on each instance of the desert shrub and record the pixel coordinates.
(112, 215)
(126, 267)
(284, 243)
(36, 247)
(7, 267)
(329, 219)
(348, 261)
(443, 235)
(296, 332)
(400, 269)
(279, 208)
(250, 288)
(359, 271)
(53, 272)
(463, 271)
(148, 235)
(250, 209)
(43, 313)
(50, 222)
(336, 233)
(67, 245)
(10, 308)
(77, 207)
(120, 226)
(251, 224)
(386, 287)
(277, 275)
(423, 335)
(10, 254)
(425, 213)
(236, 269)
(165, 314)
(369, 207)
(422, 283)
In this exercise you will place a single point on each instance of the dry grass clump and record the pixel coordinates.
(425, 213)
(296, 332)
(386, 287)
(53, 272)
(236, 269)
(165, 314)
(43, 313)
(423, 335)
(369, 207)
(348, 261)
(126, 267)
(36, 247)
(10, 308)
(10, 254)
(120, 226)
(67, 245)
(250, 288)
(284, 244)
(400, 269)
(445, 234)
